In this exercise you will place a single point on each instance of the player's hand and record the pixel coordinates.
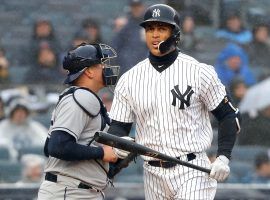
(109, 155)
(220, 169)
(122, 153)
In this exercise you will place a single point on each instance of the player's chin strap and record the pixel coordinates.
(169, 44)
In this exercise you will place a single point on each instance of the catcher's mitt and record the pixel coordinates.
(115, 168)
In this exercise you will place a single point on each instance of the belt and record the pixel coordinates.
(53, 178)
(167, 164)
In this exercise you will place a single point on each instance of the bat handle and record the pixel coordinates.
(205, 170)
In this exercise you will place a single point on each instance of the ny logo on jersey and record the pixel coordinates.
(177, 94)
(156, 13)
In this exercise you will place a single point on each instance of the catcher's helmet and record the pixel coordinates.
(87, 55)
(166, 14)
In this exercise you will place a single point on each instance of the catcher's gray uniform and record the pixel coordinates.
(77, 113)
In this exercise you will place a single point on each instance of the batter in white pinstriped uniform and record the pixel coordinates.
(169, 95)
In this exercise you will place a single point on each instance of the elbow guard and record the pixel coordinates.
(226, 110)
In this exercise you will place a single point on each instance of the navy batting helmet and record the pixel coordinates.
(166, 14)
(87, 55)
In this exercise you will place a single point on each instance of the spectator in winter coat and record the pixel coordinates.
(232, 62)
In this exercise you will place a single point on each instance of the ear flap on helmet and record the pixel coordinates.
(170, 43)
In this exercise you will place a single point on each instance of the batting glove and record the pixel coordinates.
(122, 153)
(220, 169)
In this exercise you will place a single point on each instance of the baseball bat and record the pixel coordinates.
(120, 143)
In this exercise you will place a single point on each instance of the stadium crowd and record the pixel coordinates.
(239, 50)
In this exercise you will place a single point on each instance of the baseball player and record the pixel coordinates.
(77, 167)
(169, 95)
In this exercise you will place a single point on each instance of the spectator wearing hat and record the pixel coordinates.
(262, 170)
(18, 130)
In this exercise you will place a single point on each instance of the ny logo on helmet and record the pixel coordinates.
(156, 13)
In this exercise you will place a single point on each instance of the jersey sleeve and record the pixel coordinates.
(69, 117)
(121, 109)
(212, 90)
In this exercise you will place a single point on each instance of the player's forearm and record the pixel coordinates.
(63, 146)
(226, 137)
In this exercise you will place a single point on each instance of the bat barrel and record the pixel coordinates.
(187, 164)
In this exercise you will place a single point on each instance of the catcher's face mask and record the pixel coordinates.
(87, 55)
(110, 72)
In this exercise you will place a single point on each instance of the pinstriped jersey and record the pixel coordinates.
(171, 108)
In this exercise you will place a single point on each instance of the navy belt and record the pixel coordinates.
(167, 164)
(53, 178)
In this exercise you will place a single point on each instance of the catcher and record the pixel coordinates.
(77, 167)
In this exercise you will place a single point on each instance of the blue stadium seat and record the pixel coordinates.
(18, 74)
(31, 150)
(246, 153)
(4, 153)
(44, 119)
(241, 153)
(239, 170)
(10, 172)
